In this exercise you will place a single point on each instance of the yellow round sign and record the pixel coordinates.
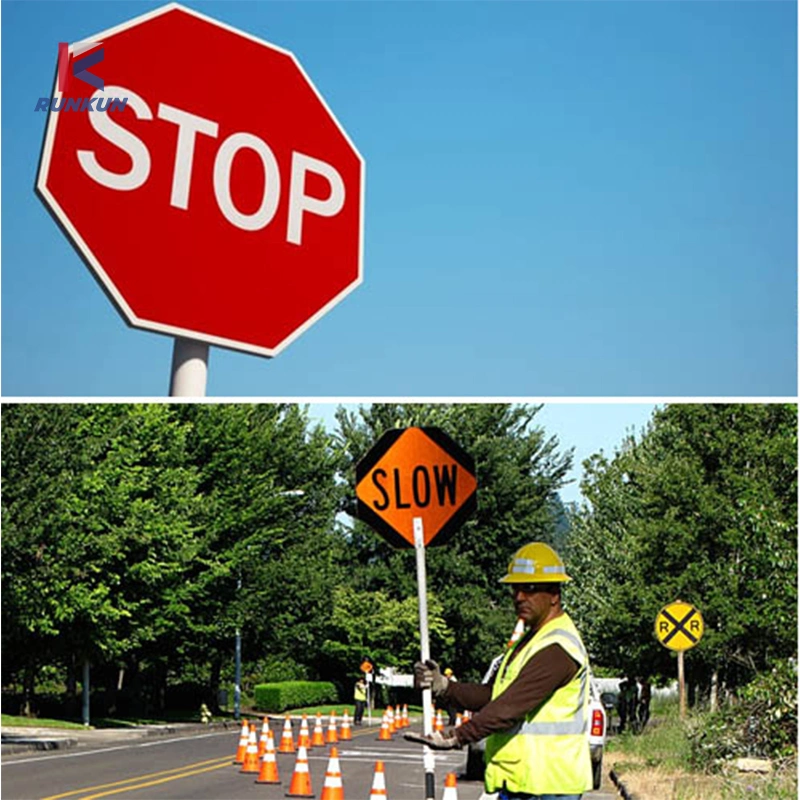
(679, 626)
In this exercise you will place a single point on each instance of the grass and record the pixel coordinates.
(654, 766)
(33, 722)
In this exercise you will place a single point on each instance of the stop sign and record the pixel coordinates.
(219, 199)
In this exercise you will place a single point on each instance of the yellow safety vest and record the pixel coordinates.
(547, 752)
(359, 693)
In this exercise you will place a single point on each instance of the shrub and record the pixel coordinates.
(277, 697)
(760, 723)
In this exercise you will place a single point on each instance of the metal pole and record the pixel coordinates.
(427, 701)
(237, 679)
(237, 685)
(189, 368)
(86, 692)
(681, 684)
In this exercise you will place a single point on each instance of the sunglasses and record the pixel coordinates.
(532, 588)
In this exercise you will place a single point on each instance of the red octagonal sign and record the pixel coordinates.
(219, 199)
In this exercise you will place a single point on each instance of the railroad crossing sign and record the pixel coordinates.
(679, 626)
(416, 474)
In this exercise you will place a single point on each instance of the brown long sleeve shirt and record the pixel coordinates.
(548, 670)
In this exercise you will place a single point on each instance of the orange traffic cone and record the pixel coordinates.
(406, 723)
(287, 741)
(262, 742)
(378, 783)
(332, 736)
(390, 715)
(318, 738)
(301, 777)
(244, 738)
(439, 724)
(450, 790)
(346, 733)
(385, 734)
(459, 720)
(269, 764)
(304, 737)
(333, 788)
(251, 756)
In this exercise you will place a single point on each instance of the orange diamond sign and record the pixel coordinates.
(416, 473)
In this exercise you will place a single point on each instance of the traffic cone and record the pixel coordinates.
(269, 764)
(439, 724)
(450, 790)
(304, 738)
(406, 723)
(251, 756)
(459, 720)
(378, 783)
(346, 733)
(333, 788)
(385, 734)
(301, 777)
(262, 742)
(332, 736)
(390, 714)
(519, 629)
(287, 742)
(318, 738)
(244, 738)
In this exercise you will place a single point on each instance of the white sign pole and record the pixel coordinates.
(427, 700)
(189, 368)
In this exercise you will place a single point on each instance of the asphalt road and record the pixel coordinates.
(200, 767)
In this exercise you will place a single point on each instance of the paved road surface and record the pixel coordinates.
(199, 767)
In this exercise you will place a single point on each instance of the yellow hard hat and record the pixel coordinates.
(536, 563)
(448, 672)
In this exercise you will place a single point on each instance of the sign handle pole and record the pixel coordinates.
(681, 684)
(189, 368)
(427, 700)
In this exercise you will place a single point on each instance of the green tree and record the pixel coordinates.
(115, 545)
(702, 508)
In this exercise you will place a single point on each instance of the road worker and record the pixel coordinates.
(360, 698)
(534, 712)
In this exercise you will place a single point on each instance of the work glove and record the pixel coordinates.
(438, 740)
(427, 676)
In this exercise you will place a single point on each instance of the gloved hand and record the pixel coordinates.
(438, 740)
(428, 676)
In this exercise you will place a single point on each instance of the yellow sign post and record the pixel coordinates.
(679, 626)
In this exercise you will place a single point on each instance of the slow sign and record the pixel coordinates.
(416, 473)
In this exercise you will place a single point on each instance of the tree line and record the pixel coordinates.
(139, 537)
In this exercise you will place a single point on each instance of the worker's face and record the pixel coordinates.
(535, 602)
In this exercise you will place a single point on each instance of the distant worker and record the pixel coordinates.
(360, 697)
(451, 709)
(535, 710)
(645, 693)
(622, 704)
(628, 693)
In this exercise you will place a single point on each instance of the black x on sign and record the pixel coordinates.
(679, 626)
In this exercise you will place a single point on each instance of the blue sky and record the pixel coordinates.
(589, 428)
(563, 199)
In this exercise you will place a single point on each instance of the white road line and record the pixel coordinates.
(17, 761)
